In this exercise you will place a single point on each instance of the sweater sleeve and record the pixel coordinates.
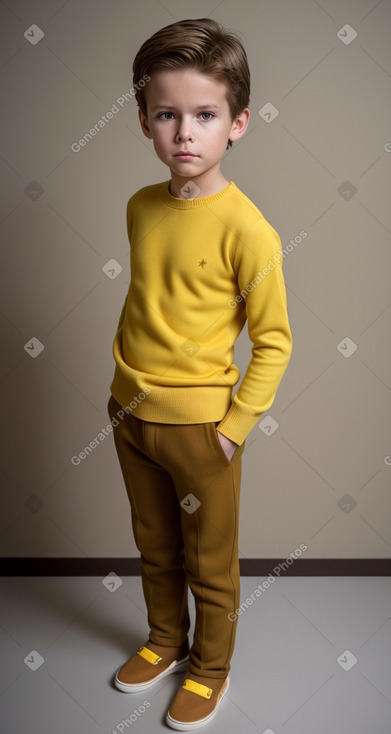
(118, 337)
(258, 269)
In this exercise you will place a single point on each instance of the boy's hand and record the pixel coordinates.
(227, 445)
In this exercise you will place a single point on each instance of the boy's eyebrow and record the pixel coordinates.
(200, 107)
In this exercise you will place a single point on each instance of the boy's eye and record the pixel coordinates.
(169, 115)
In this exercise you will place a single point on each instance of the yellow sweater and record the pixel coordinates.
(199, 269)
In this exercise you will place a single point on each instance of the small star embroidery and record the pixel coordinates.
(202, 263)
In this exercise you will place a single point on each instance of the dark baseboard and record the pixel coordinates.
(248, 566)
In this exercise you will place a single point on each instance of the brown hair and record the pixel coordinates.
(201, 44)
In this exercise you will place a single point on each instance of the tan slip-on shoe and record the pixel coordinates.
(196, 703)
(148, 666)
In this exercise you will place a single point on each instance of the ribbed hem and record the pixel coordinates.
(184, 405)
(180, 405)
(176, 203)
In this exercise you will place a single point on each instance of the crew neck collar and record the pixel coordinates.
(176, 203)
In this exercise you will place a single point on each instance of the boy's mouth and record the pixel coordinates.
(185, 154)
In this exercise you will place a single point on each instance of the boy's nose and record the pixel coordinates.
(184, 132)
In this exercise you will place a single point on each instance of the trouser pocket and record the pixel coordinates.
(217, 447)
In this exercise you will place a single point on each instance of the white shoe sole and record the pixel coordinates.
(175, 667)
(189, 725)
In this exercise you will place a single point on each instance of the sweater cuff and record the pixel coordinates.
(236, 425)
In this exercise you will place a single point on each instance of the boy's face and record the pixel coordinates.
(189, 112)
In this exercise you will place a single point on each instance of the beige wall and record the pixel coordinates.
(63, 218)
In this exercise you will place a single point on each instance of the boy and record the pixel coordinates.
(203, 261)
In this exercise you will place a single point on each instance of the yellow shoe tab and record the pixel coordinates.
(191, 685)
(148, 655)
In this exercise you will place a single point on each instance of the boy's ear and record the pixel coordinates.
(144, 124)
(239, 125)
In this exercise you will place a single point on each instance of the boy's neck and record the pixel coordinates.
(208, 183)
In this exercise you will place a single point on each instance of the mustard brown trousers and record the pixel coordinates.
(184, 498)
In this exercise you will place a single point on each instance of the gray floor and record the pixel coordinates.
(63, 638)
